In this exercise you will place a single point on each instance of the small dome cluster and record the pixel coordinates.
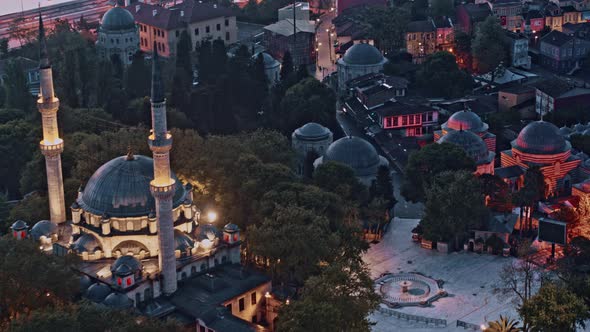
(465, 120)
(312, 132)
(472, 144)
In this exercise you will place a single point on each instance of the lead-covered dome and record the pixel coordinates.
(312, 132)
(465, 120)
(43, 228)
(362, 54)
(117, 18)
(121, 188)
(356, 153)
(472, 144)
(540, 137)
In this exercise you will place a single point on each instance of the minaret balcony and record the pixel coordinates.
(48, 147)
(160, 142)
(164, 189)
(46, 105)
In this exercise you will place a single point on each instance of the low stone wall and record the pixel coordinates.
(415, 318)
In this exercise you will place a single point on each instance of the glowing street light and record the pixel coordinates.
(212, 216)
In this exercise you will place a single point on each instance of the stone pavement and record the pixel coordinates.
(469, 278)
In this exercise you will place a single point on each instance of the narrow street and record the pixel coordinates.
(325, 46)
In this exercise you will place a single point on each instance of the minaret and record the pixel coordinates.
(162, 186)
(51, 146)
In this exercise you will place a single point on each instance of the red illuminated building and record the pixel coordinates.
(540, 144)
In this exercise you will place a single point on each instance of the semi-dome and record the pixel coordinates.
(540, 137)
(117, 18)
(472, 144)
(362, 54)
(182, 241)
(465, 120)
(121, 188)
(564, 131)
(86, 243)
(269, 61)
(118, 300)
(579, 127)
(85, 282)
(126, 265)
(98, 292)
(206, 231)
(43, 228)
(356, 153)
(312, 132)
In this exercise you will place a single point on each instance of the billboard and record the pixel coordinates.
(552, 231)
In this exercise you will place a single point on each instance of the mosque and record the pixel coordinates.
(118, 35)
(143, 241)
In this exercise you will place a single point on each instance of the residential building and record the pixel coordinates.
(278, 38)
(555, 95)
(375, 89)
(30, 68)
(536, 20)
(518, 48)
(509, 12)
(469, 14)
(301, 11)
(445, 34)
(561, 52)
(513, 96)
(342, 5)
(421, 39)
(202, 21)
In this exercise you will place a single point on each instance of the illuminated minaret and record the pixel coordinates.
(51, 146)
(163, 185)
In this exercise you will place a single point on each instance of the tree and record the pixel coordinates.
(341, 180)
(17, 31)
(382, 187)
(91, 318)
(496, 191)
(138, 79)
(3, 47)
(17, 140)
(520, 278)
(505, 324)
(462, 48)
(16, 86)
(339, 299)
(68, 80)
(488, 46)
(307, 101)
(183, 72)
(574, 267)
(103, 83)
(454, 206)
(287, 66)
(258, 72)
(294, 241)
(554, 308)
(32, 280)
(87, 74)
(442, 8)
(33, 208)
(425, 164)
(439, 69)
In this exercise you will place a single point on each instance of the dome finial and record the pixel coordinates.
(130, 153)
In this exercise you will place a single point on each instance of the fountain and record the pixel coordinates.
(407, 289)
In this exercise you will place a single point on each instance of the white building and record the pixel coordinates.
(118, 35)
(359, 60)
(518, 46)
(310, 142)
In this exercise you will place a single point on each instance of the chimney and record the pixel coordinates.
(182, 13)
(154, 12)
(137, 7)
(127, 3)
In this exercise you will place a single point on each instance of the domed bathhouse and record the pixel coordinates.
(310, 142)
(141, 238)
(469, 121)
(359, 59)
(475, 148)
(272, 68)
(118, 35)
(356, 153)
(541, 144)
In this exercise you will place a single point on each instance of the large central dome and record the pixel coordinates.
(121, 188)
(355, 152)
(540, 137)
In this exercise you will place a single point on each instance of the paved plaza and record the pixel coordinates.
(469, 279)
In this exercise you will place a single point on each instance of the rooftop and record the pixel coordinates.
(177, 16)
(421, 26)
(285, 27)
(554, 88)
(556, 38)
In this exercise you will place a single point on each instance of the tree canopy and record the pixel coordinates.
(437, 71)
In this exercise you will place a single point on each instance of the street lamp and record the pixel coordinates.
(212, 216)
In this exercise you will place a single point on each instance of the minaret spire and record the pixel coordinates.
(52, 145)
(162, 186)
